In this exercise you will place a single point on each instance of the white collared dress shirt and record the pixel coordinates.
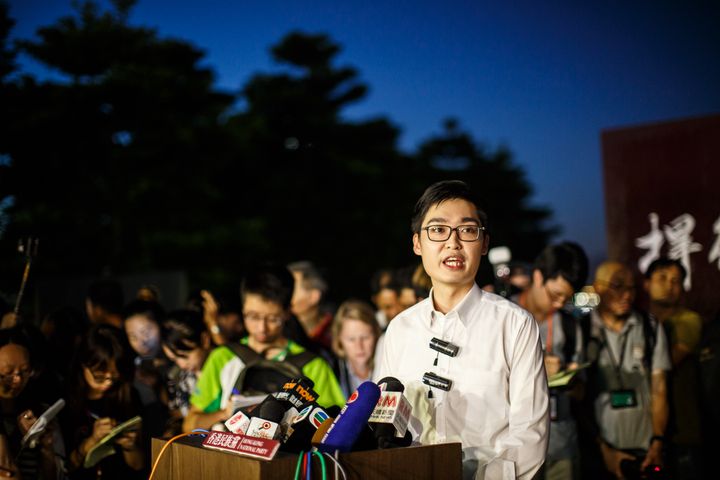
(497, 406)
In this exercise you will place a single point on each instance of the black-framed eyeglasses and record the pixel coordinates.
(22, 374)
(441, 233)
(102, 377)
(255, 317)
(556, 297)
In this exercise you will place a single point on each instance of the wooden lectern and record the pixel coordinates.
(185, 459)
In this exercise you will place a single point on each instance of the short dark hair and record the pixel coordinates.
(182, 330)
(108, 294)
(152, 310)
(384, 279)
(311, 276)
(103, 345)
(272, 282)
(566, 260)
(665, 262)
(439, 192)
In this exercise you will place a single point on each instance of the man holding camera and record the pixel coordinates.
(626, 384)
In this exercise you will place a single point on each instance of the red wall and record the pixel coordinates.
(671, 169)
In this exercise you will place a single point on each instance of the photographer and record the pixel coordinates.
(627, 384)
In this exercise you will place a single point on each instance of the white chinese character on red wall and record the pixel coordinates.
(714, 253)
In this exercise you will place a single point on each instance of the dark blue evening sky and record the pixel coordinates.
(541, 77)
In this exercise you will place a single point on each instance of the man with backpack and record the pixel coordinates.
(263, 360)
(558, 272)
(627, 380)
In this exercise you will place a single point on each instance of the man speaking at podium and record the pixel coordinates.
(471, 361)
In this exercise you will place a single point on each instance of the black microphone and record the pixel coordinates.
(266, 419)
(446, 348)
(391, 415)
(298, 392)
(301, 429)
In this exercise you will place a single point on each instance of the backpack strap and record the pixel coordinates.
(650, 326)
(293, 363)
(301, 359)
(245, 353)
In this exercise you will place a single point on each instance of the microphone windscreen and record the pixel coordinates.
(270, 409)
(298, 392)
(308, 381)
(352, 420)
(391, 384)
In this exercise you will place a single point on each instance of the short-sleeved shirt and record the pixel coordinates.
(630, 427)
(222, 368)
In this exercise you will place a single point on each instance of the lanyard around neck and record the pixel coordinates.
(522, 301)
(617, 366)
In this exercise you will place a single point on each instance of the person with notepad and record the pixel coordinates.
(558, 272)
(21, 403)
(100, 397)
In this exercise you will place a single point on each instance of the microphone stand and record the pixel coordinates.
(29, 249)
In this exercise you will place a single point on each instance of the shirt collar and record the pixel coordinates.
(598, 323)
(462, 310)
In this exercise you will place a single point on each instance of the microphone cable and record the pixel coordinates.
(338, 465)
(197, 431)
(304, 463)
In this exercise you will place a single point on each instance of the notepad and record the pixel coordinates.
(106, 446)
(563, 377)
(38, 428)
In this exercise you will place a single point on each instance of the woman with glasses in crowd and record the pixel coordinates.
(100, 396)
(22, 401)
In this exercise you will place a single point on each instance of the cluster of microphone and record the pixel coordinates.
(375, 416)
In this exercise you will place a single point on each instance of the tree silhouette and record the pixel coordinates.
(114, 168)
(504, 190)
(136, 161)
(325, 187)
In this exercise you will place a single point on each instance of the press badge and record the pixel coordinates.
(623, 398)
(638, 352)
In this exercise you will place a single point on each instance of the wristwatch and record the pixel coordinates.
(659, 438)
